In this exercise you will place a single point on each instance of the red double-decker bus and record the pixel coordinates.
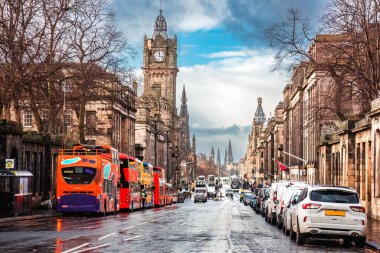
(129, 182)
(87, 179)
(159, 186)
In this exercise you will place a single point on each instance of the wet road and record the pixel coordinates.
(216, 226)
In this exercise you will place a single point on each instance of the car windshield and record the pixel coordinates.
(78, 175)
(200, 191)
(334, 196)
(249, 195)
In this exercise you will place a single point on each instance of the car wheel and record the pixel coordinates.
(292, 234)
(279, 224)
(245, 204)
(273, 220)
(284, 228)
(300, 238)
(360, 242)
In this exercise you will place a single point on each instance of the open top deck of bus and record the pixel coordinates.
(85, 150)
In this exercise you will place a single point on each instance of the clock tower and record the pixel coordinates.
(160, 71)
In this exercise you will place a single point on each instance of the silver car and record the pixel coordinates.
(200, 195)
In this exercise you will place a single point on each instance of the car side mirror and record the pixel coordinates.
(294, 202)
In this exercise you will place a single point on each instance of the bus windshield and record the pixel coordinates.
(78, 175)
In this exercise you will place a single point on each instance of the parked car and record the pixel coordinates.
(181, 197)
(229, 193)
(242, 193)
(287, 211)
(261, 195)
(200, 195)
(330, 212)
(275, 192)
(287, 194)
(247, 198)
(175, 198)
(253, 202)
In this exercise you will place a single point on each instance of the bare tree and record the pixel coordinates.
(20, 35)
(99, 55)
(348, 52)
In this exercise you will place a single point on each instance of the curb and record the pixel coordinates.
(29, 217)
(372, 245)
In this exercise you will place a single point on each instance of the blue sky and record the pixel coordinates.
(223, 57)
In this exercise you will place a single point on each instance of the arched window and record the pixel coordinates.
(27, 119)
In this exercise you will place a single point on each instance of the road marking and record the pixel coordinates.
(129, 228)
(144, 223)
(134, 237)
(78, 247)
(97, 247)
(182, 224)
(189, 219)
(101, 238)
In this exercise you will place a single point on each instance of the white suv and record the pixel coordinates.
(331, 212)
(275, 193)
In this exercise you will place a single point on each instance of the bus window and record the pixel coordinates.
(78, 175)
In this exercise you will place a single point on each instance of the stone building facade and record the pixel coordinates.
(320, 133)
(31, 152)
(109, 120)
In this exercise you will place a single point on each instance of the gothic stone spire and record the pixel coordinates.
(184, 113)
(259, 114)
(160, 27)
(230, 158)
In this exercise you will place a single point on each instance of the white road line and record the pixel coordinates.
(189, 219)
(144, 223)
(97, 247)
(101, 238)
(131, 238)
(182, 224)
(129, 228)
(80, 246)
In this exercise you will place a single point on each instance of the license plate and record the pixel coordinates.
(335, 213)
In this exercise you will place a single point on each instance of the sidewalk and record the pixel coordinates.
(373, 234)
(36, 214)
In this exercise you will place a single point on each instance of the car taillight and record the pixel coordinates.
(359, 209)
(282, 205)
(275, 196)
(310, 206)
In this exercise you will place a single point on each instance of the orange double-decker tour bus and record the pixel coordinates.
(130, 197)
(87, 179)
(147, 182)
(159, 186)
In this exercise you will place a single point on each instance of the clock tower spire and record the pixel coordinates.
(156, 115)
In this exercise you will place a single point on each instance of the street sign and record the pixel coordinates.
(9, 164)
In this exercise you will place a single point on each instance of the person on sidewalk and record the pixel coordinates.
(144, 195)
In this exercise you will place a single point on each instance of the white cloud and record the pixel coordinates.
(226, 54)
(137, 18)
(224, 92)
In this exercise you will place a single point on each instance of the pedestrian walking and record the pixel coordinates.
(144, 195)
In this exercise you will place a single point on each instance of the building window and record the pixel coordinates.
(45, 115)
(27, 120)
(68, 118)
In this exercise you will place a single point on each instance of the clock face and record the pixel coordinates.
(159, 56)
